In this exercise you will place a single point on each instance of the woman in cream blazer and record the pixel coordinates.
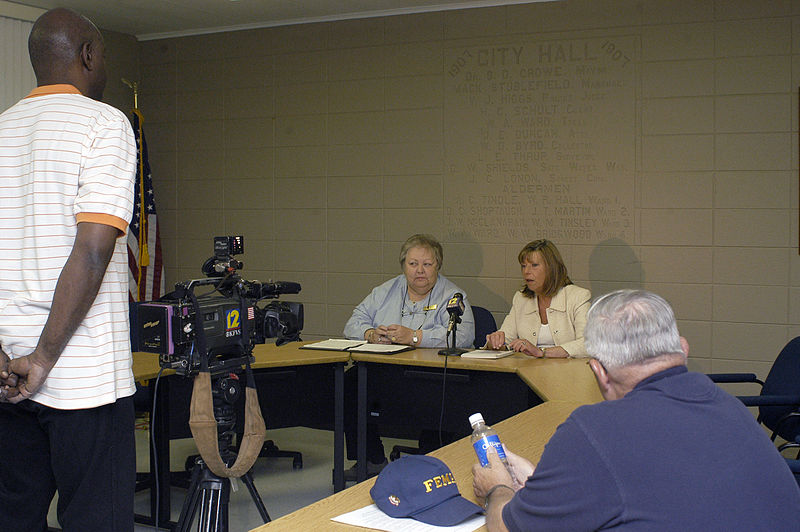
(548, 315)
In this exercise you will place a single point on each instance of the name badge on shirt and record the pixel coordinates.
(429, 307)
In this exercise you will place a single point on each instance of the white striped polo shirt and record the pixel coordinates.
(65, 159)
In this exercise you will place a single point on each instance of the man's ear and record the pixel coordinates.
(88, 55)
(601, 375)
(685, 347)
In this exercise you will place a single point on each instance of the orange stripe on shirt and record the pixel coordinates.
(59, 88)
(105, 219)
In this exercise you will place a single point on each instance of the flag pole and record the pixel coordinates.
(134, 86)
(144, 246)
(144, 256)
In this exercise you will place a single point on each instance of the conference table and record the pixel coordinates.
(560, 384)
(307, 375)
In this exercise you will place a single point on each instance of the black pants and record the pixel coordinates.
(88, 456)
(375, 451)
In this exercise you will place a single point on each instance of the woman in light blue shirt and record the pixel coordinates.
(410, 309)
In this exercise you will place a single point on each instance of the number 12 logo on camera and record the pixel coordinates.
(233, 325)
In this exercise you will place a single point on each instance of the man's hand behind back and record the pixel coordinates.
(8, 379)
(30, 373)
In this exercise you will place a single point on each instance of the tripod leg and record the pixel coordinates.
(190, 502)
(247, 478)
(212, 494)
(214, 505)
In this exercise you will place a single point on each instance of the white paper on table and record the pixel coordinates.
(488, 353)
(334, 344)
(372, 517)
(388, 349)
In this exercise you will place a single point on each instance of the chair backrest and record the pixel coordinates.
(783, 379)
(484, 324)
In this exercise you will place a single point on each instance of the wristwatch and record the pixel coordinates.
(492, 490)
(415, 338)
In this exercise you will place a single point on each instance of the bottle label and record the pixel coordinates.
(483, 444)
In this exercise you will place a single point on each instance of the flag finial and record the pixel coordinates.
(134, 85)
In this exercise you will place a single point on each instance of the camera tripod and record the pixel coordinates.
(209, 493)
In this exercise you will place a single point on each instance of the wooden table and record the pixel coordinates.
(564, 384)
(267, 356)
(549, 379)
(553, 379)
(526, 434)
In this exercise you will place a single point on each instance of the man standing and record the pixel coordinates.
(667, 450)
(67, 168)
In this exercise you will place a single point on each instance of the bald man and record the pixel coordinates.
(67, 170)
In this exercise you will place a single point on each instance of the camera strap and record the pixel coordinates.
(204, 425)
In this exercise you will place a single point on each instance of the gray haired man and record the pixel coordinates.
(667, 450)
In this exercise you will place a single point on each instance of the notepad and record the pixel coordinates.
(381, 349)
(487, 353)
(356, 346)
(334, 344)
(374, 519)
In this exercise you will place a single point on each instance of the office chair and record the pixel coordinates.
(484, 324)
(428, 440)
(794, 465)
(271, 450)
(779, 401)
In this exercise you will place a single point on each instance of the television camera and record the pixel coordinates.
(230, 315)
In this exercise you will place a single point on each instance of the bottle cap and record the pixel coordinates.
(474, 419)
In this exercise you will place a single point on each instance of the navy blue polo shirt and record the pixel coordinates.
(676, 453)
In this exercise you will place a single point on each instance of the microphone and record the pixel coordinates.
(455, 307)
(282, 287)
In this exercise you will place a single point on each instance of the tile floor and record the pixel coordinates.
(282, 488)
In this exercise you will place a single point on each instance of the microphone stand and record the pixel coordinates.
(453, 351)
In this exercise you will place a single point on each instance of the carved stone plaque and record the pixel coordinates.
(540, 140)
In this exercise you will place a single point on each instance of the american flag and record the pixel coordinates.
(146, 279)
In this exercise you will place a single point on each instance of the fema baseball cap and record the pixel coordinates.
(423, 488)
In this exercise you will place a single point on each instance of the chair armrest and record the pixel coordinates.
(792, 445)
(734, 377)
(769, 400)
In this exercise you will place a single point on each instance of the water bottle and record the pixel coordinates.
(484, 436)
